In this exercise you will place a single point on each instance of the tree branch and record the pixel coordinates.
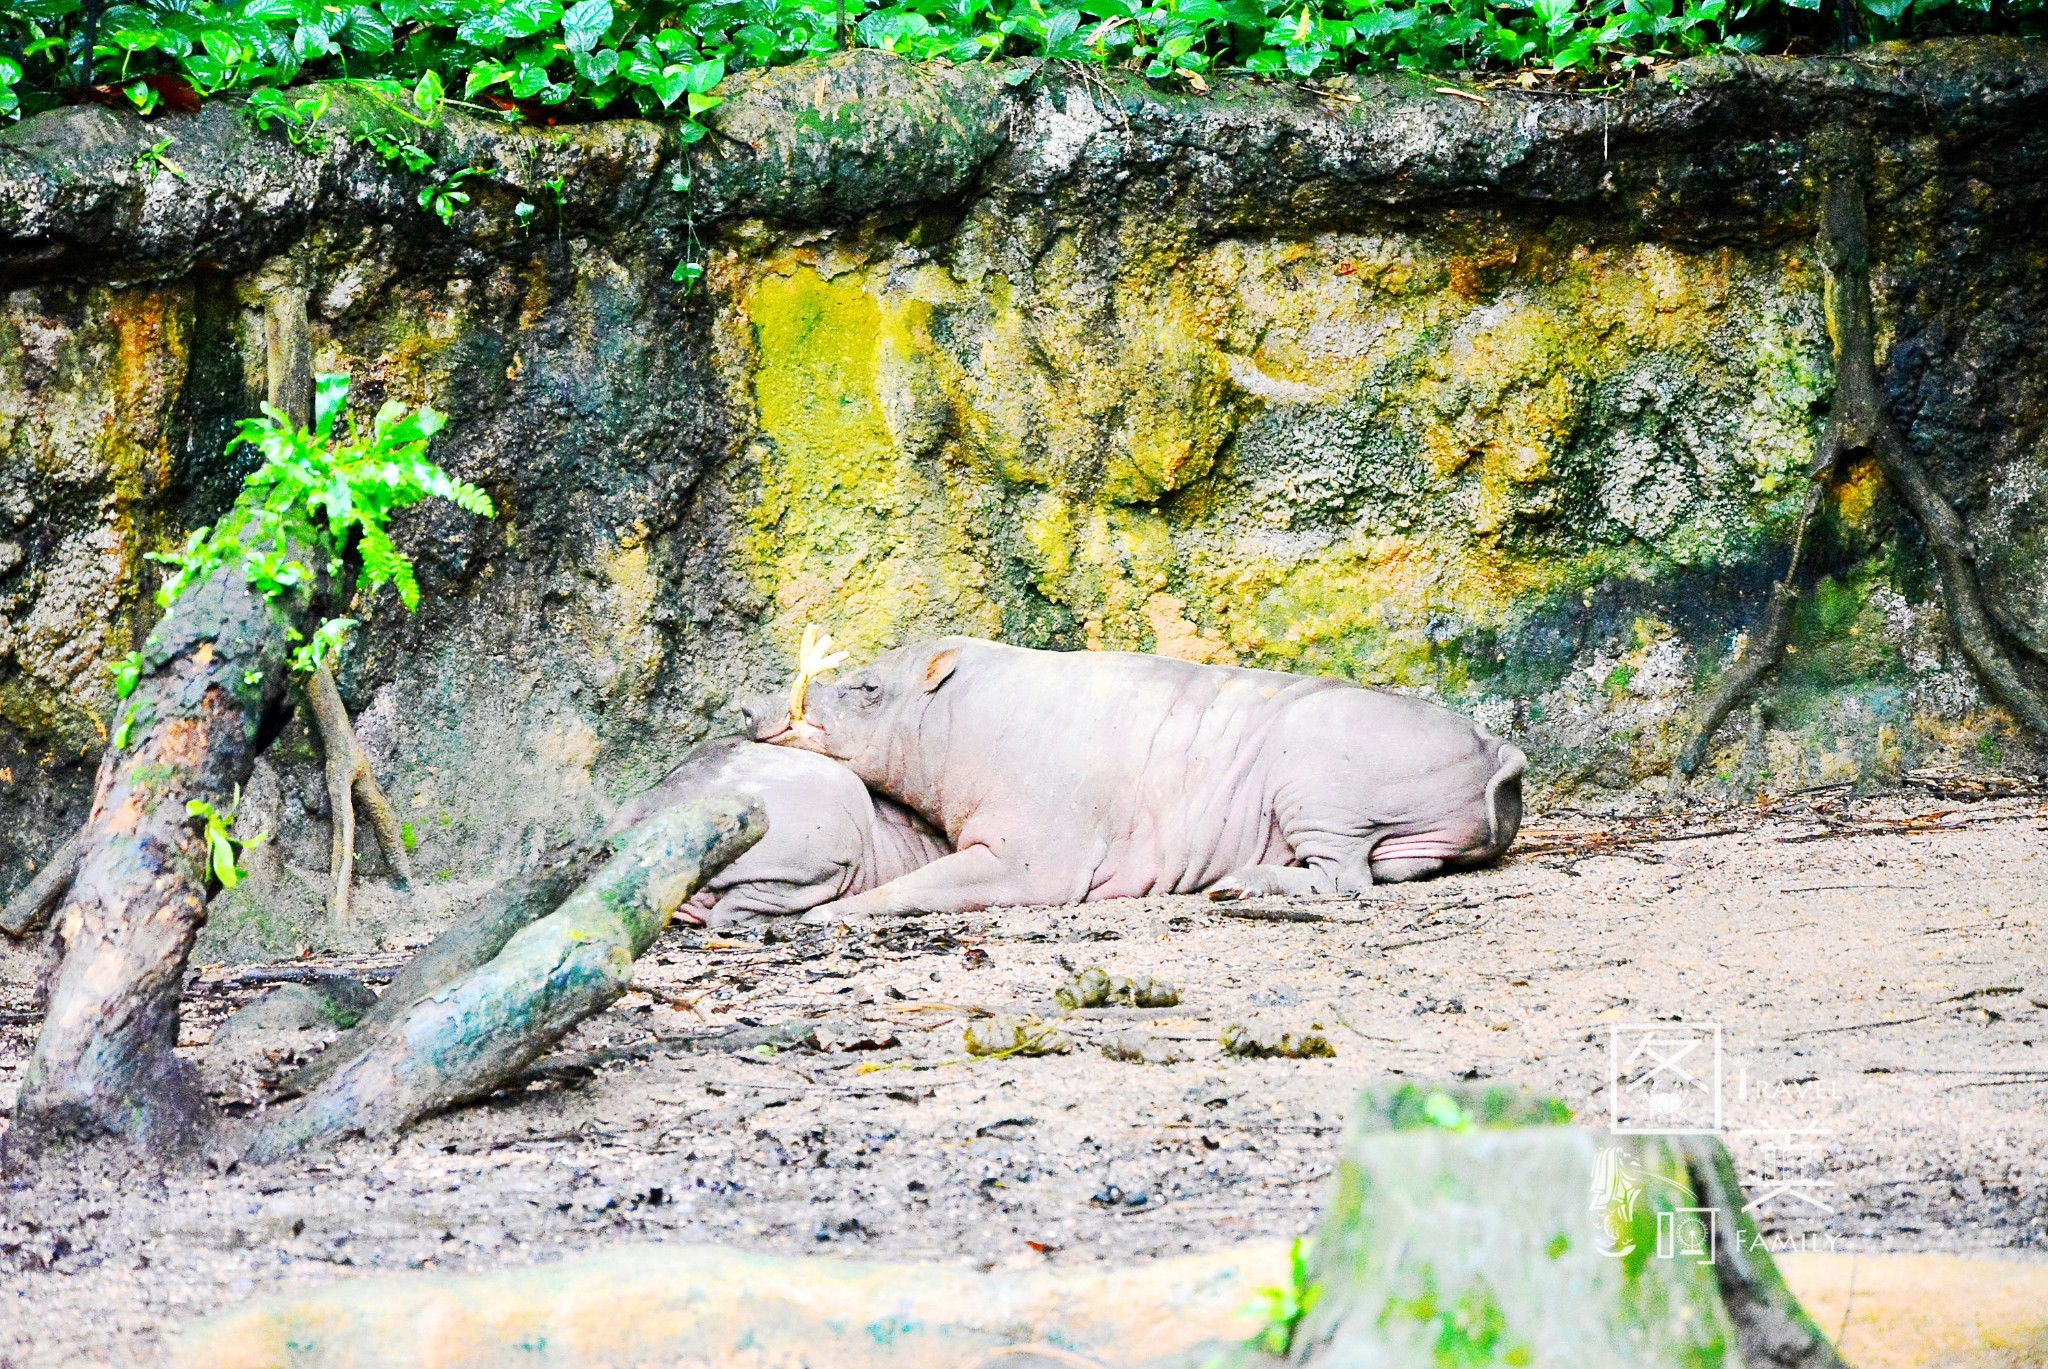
(28, 909)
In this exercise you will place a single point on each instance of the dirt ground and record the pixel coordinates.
(1876, 968)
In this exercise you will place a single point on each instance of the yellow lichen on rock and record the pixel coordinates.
(1442, 439)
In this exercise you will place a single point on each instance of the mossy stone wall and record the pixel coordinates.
(1507, 402)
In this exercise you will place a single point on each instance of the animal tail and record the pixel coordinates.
(1504, 797)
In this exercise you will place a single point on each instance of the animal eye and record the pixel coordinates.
(869, 688)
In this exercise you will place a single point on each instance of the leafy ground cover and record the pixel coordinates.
(548, 58)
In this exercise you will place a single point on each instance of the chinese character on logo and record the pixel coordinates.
(1664, 1079)
(1793, 1165)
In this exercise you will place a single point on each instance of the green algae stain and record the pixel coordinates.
(1468, 1332)
(1365, 457)
(848, 530)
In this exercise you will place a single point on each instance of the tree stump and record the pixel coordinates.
(1469, 1227)
(104, 1064)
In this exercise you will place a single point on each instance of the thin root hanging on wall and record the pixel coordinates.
(1858, 423)
(350, 782)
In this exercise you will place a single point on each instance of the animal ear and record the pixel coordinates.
(939, 668)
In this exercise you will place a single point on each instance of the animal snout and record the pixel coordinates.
(764, 718)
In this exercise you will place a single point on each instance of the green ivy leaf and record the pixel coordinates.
(670, 85)
(598, 67)
(428, 95)
(525, 18)
(528, 81)
(483, 76)
(586, 23)
(366, 31)
(705, 76)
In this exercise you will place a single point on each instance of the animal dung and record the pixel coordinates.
(1000, 1036)
(1269, 1043)
(1095, 987)
(1136, 1048)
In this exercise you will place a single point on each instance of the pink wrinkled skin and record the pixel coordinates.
(1064, 777)
(828, 837)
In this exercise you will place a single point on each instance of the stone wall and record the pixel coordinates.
(1504, 399)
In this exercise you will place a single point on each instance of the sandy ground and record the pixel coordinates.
(1872, 966)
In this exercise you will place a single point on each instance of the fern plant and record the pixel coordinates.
(321, 493)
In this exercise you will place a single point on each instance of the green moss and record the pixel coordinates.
(1456, 1107)
(1024, 458)
(1469, 1332)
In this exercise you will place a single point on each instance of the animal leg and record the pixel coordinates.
(972, 878)
(1329, 866)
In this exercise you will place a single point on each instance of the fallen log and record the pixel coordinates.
(472, 1037)
(473, 942)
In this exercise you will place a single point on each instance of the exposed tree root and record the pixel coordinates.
(473, 1036)
(350, 782)
(30, 908)
(1859, 423)
(1759, 657)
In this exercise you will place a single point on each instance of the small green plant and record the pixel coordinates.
(1445, 1113)
(127, 674)
(300, 117)
(1283, 1307)
(667, 58)
(690, 269)
(152, 160)
(220, 844)
(136, 714)
(322, 495)
(445, 196)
